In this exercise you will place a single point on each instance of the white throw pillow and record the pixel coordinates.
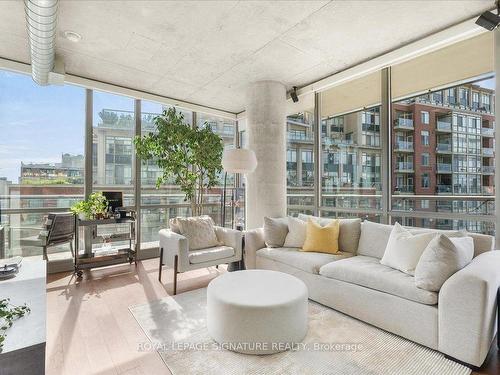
(404, 249)
(442, 258)
(296, 233)
(198, 230)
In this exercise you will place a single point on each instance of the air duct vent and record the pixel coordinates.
(41, 20)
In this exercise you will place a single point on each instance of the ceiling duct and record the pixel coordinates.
(41, 19)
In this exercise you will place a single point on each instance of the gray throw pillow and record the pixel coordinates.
(442, 257)
(275, 231)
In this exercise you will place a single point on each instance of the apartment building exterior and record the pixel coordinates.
(442, 145)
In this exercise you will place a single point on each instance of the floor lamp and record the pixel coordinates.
(235, 160)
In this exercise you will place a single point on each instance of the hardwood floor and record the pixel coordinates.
(91, 331)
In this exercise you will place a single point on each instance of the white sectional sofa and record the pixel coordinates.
(459, 320)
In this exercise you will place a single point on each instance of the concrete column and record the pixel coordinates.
(266, 128)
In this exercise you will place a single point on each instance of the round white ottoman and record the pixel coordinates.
(257, 311)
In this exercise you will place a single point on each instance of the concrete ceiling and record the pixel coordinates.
(206, 52)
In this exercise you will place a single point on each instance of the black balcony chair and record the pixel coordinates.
(59, 228)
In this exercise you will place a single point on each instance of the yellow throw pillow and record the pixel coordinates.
(322, 239)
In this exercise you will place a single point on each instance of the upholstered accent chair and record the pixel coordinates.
(175, 251)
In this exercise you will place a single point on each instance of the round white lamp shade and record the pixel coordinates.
(239, 160)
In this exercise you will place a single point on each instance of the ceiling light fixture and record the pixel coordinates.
(490, 20)
(72, 36)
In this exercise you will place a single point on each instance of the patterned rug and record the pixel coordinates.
(335, 344)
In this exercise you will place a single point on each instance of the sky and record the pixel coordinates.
(40, 123)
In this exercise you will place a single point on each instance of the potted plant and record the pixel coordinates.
(92, 208)
(190, 156)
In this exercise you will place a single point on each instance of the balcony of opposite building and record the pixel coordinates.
(444, 168)
(444, 125)
(444, 189)
(403, 146)
(404, 167)
(443, 148)
(404, 189)
(402, 123)
(487, 132)
(488, 169)
(488, 151)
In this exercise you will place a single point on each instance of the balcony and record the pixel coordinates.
(404, 167)
(444, 206)
(487, 132)
(444, 168)
(404, 189)
(444, 189)
(300, 137)
(404, 146)
(443, 148)
(488, 169)
(403, 124)
(487, 151)
(443, 126)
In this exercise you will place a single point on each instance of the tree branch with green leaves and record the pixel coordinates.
(190, 156)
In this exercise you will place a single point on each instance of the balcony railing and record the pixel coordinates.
(404, 123)
(444, 168)
(299, 137)
(443, 147)
(488, 169)
(444, 189)
(488, 151)
(404, 189)
(404, 145)
(489, 132)
(404, 166)
(444, 126)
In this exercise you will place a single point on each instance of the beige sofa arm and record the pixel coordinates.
(467, 309)
(174, 244)
(254, 240)
(230, 237)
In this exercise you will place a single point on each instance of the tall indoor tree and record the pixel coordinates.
(190, 156)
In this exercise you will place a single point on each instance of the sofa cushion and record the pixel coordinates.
(210, 254)
(199, 230)
(482, 242)
(296, 233)
(404, 249)
(368, 272)
(275, 231)
(306, 261)
(442, 258)
(350, 230)
(373, 239)
(322, 239)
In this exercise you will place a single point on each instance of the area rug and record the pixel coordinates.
(335, 344)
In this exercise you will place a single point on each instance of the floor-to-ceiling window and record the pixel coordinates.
(452, 169)
(158, 205)
(434, 137)
(351, 181)
(41, 159)
(300, 162)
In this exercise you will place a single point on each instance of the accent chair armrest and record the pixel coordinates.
(174, 244)
(467, 309)
(230, 237)
(254, 240)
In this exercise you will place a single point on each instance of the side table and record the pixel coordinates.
(238, 266)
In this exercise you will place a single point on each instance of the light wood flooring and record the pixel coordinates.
(91, 331)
